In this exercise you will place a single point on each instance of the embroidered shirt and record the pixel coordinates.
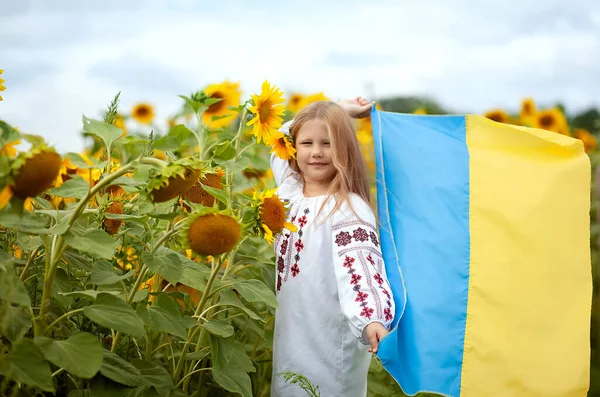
(331, 283)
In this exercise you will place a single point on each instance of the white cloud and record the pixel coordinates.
(68, 58)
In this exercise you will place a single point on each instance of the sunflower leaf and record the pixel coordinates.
(112, 312)
(94, 241)
(79, 162)
(193, 104)
(224, 151)
(73, 188)
(219, 194)
(256, 291)
(8, 133)
(80, 354)
(106, 132)
(12, 289)
(15, 322)
(26, 364)
(104, 274)
(164, 262)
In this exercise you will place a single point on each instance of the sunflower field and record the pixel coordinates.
(144, 266)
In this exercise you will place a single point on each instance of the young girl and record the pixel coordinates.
(333, 293)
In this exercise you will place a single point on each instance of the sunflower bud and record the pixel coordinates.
(198, 195)
(213, 234)
(175, 186)
(37, 174)
(111, 226)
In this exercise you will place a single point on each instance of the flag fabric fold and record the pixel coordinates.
(485, 232)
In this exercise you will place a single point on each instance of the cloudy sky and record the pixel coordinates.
(65, 58)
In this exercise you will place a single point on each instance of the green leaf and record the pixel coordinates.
(154, 375)
(12, 289)
(79, 162)
(73, 188)
(27, 223)
(112, 312)
(106, 132)
(79, 355)
(219, 194)
(93, 241)
(26, 364)
(228, 296)
(165, 262)
(119, 370)
(194, 275)
(103, 273)
(224, 151)
(159, 319)
(231, 365)
(199, 355)
(239, 165)
(86, 294)
(80, 261)
(180, 132)
(127, 217)
(30, 243)
(14, 322)
(101, 386)
(256, 291)
(139, 296)
(219, 327)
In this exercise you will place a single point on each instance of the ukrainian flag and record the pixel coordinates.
(485, 232)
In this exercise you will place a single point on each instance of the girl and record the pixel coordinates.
(333, 293)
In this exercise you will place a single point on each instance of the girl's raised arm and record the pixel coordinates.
(281, 168)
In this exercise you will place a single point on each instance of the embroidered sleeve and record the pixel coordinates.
(281, 168)
(363, 289)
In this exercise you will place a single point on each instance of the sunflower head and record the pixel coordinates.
(143, 113)
(307, 100)
(212, 233)
(270, 214)
(173, 180)
(282, 146)
(267, 109)
(589, 141)
(111, 226)
(527, 108)
(229, 94)
(35, 171)
(294, 102)
(497, 115)
(115, 191)
(552, 120)
(253, 173)
(197, 195)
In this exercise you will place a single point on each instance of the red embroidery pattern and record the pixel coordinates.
(342, 239)
(290, 250)
(355, 280)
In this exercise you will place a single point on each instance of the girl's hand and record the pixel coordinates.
(358, 107)
(374, 333)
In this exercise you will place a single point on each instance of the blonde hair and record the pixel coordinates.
(351, 173)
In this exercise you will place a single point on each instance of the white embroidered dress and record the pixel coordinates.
(331, 283)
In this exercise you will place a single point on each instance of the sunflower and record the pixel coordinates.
(212, 233)
(294, 102)
(173, 180)
(589, 141)
(528, 112)
(5, 196)
(497, 115)
(271, 214)
(35, 171)
(552, 120)
(2, 87)
(196, 194)
(9, 149)
(281, 145)
(251, 173)
(111, 226)
(143, 113)
(319, 96)
(229, 95)
(267, 110)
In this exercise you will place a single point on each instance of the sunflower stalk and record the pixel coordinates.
(59, 246)
(201, 135)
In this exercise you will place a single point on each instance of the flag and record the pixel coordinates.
(485, 232)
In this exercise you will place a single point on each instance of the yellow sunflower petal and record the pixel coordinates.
(268, 110)
(5, 196)
(290, 226)
(268, 236)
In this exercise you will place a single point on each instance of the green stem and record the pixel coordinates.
(61, 318)
(201, 137)
(207, 290)
(30, 259)
(192, 373)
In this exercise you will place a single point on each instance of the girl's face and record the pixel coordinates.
(313, 153)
